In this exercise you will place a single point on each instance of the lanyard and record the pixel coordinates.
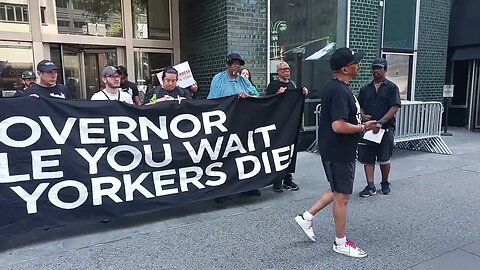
(118, 98)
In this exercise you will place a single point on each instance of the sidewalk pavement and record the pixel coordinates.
(431, 220)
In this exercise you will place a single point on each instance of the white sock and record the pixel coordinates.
(307, 216)
(340, 241)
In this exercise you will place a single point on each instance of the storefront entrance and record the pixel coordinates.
(81, 68)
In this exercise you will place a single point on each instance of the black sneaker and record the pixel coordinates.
(290, 186)
(368, 191)
(277, 187)
(385, 187)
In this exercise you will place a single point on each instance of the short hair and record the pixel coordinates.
(281, 63)
(123, 70)
(169, 70)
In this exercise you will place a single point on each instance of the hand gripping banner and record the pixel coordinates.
(66, 161)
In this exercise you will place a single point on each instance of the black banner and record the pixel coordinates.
(66, 161)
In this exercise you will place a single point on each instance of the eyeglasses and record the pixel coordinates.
(114, 77)
(284, 69)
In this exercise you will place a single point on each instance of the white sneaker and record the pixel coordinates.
(307, 226)
(349, 249)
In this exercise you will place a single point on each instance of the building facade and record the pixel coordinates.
(82, 36)
(464, 64)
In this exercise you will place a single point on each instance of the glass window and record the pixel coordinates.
(10, 13)
(42, 14)
(147, 64)
(101, 17)
(3, 13)
(25, 14)
(15, 58)
(151, 19)
(300, 29)
(14, 17)
(62, 3)
(400, 72)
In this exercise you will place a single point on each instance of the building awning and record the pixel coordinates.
(466, 53)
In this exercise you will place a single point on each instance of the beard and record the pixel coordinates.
(112, 85)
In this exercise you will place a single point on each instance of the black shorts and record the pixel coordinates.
(340, 175)
(370, 153)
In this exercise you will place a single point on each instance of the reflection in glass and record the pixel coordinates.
(71, 65)
(90, 17)
(298, 29)
(14, 60)
(399, 72)
(151, 19)
(147, 64)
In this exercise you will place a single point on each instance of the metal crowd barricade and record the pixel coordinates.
(418, 128)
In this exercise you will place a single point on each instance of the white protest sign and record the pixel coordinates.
(185, 75)
(448, 91)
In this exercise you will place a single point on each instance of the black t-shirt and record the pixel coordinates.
(58, 91)
(130, 87)
(273, 86)
(338, 102)
(378, 103)
(176, 92)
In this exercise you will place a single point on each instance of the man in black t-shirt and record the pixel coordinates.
(47, 85)
(339, 131)
(169, 90)
(379, 100)
(278, 87)
(130, 87)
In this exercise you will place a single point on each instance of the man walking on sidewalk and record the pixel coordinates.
(339, 131)
(379, 100)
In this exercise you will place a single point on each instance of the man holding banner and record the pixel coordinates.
(229, 83)
(279, 87)
(339, 130)
(111, 77)
(169, 89)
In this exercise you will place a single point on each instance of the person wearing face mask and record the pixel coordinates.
(229, 82)
(46, 85)
(169, 90)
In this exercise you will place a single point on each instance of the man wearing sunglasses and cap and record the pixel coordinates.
(46, 85)
(339, 130)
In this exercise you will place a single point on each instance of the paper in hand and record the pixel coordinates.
(376, 138)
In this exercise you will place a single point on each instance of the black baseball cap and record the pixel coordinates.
(235, 56)
(46, 66)
(380, 62)
(28, 75)
(344, 56)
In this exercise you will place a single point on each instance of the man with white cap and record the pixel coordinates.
(111, 77)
